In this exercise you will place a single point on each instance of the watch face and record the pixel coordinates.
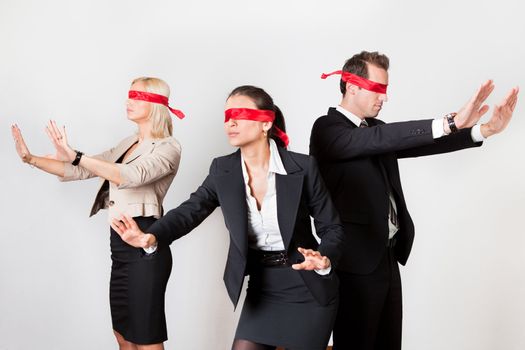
(451, 123)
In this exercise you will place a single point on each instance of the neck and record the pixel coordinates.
(352, 108)
(256, 154)
(144, 131)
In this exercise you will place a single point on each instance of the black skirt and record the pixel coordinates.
(279, 310)
(137, 287)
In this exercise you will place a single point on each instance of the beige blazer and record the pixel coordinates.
(146, 176)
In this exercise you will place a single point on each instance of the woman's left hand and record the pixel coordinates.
(64, 152)
(313, 260)
(130, 232)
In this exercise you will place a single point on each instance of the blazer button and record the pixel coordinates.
(111, 203)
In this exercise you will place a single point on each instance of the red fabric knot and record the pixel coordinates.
(364, 83)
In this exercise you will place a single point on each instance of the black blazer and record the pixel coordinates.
(356, 163)
(300, 193)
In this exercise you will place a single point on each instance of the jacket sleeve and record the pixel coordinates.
(181, 220)
(445, 144)
(163, 160)
(326, 219)
(72, 173)
(337, 140)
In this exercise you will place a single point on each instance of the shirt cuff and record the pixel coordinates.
(151, 250)
(476, 134)
(437, 128)
(324, 272)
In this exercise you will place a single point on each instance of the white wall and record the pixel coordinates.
(464, 286)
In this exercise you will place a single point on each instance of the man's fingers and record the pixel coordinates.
(514, 98)
(484, 91)
(483, 110)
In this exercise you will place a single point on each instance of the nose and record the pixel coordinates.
(383, 98)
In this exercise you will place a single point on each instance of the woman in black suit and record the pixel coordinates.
(267, 195)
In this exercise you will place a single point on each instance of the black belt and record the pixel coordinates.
(269, 258)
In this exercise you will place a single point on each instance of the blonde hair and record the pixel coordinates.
(161, 122)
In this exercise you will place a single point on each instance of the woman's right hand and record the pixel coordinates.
(20, 145)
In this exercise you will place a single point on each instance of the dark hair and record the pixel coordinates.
(357, 65)
(263, 101)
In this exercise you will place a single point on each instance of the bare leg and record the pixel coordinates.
(123, 344)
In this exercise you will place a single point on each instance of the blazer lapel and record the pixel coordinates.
(289, 190)
(232, 195)
(385, 166)
(334, 112)
(145, 147)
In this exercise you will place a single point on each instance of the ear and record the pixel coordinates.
(351, 89)
(267, 126)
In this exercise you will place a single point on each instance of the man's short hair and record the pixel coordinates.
(357, 65)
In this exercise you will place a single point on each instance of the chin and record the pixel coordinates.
(235, 143)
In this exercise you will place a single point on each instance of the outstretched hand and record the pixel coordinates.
(313, 260)
(130, 232)
(473, 110)
(59, 139)
(20, 145)
(501, 115)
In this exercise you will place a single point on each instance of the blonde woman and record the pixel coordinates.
(135, 176)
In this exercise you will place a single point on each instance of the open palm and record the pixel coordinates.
(20, 145)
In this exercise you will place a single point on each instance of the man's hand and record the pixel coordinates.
(501, 115)
(473, 110)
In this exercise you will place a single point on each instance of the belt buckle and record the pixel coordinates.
(274, 259)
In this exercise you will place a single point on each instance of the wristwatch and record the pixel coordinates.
(77, 158)
(451, 123)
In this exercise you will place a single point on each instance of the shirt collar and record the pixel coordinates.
(352, 117)
(276, 163)
(275, 166)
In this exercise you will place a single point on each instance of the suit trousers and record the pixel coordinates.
(370, 308)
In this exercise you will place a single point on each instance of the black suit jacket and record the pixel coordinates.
(300, 193)
(359, 165)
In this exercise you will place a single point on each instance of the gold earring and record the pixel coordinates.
(265, 133)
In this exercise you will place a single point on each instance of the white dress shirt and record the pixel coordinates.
(437, 132)
(263, 226)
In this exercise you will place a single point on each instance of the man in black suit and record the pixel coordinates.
(357, 156)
